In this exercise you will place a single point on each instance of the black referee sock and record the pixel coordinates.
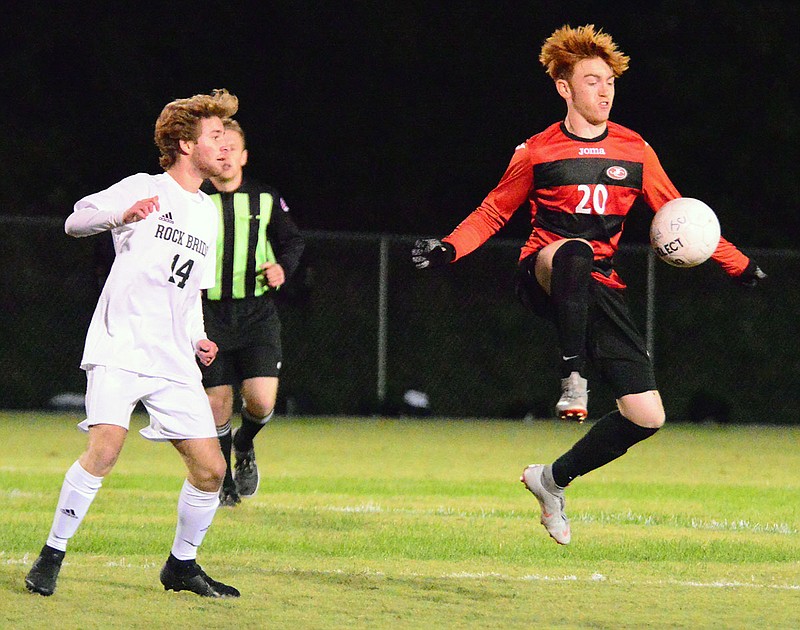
(249, 429)
(608, 439)
(569, 291)
(225, 445)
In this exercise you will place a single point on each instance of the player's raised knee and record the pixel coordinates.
(644, 409)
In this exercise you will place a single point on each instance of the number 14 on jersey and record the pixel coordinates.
(183, 271)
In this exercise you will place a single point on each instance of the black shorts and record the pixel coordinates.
(248, 334)
(613, 343)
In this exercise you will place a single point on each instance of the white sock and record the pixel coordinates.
(77, 493)
(196, 510)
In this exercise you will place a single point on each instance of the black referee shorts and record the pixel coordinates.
(613, 343)
(248, 334)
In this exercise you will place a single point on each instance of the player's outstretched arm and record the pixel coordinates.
(742, 270)
(89, 218)
(431, 253)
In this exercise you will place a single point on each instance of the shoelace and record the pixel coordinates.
(246, 463)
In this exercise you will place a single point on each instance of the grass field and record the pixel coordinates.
(373, 523)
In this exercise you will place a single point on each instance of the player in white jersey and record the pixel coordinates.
(142, 323)
(145, 333)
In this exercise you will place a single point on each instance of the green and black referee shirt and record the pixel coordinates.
(254, 228)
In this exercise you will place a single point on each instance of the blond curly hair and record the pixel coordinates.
(233, 125)
(567, 46)
(180, 120)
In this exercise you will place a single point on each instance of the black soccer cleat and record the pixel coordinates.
(42, 577)
(245, 470)
(194, 579)
(228, 496)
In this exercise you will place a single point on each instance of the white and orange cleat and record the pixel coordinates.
(554, 519)
(574, 401)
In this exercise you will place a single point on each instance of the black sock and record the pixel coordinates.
(53, 554)
(182, 567)
(225, 444)
(569, 290)
(609, 438)
(249, 429)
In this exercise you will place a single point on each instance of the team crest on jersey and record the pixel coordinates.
(616, 172)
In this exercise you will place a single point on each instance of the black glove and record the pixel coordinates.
(431, 252)
(752, 276)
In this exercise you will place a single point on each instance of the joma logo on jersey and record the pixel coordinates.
(591, 151)
(175, 235)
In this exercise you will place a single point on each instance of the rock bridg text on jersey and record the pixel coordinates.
(169, 233)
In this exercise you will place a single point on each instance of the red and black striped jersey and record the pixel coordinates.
(578, 188)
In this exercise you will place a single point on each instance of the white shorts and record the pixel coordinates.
(178, 411)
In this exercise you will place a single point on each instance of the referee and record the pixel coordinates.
(258, 250)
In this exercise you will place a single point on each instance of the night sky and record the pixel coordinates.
(399, 116)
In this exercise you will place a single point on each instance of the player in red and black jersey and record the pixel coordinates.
(581, 177)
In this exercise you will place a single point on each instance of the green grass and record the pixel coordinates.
(420, 524)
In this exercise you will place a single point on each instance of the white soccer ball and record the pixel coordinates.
(684, 232)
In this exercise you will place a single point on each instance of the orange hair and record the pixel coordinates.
(567, 46)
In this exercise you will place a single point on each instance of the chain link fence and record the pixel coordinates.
(362, 328)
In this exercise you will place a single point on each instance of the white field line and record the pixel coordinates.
(598, 577)
(604, 517)
(122, 563)
(624, 518)
(595, 577)
(690, 522)
(16, 493)
(619, 518)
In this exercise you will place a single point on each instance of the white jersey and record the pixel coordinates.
(149, 316)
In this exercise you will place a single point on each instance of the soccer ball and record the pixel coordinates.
(684, 232)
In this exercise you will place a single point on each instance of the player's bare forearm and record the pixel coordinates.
(140, 210)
